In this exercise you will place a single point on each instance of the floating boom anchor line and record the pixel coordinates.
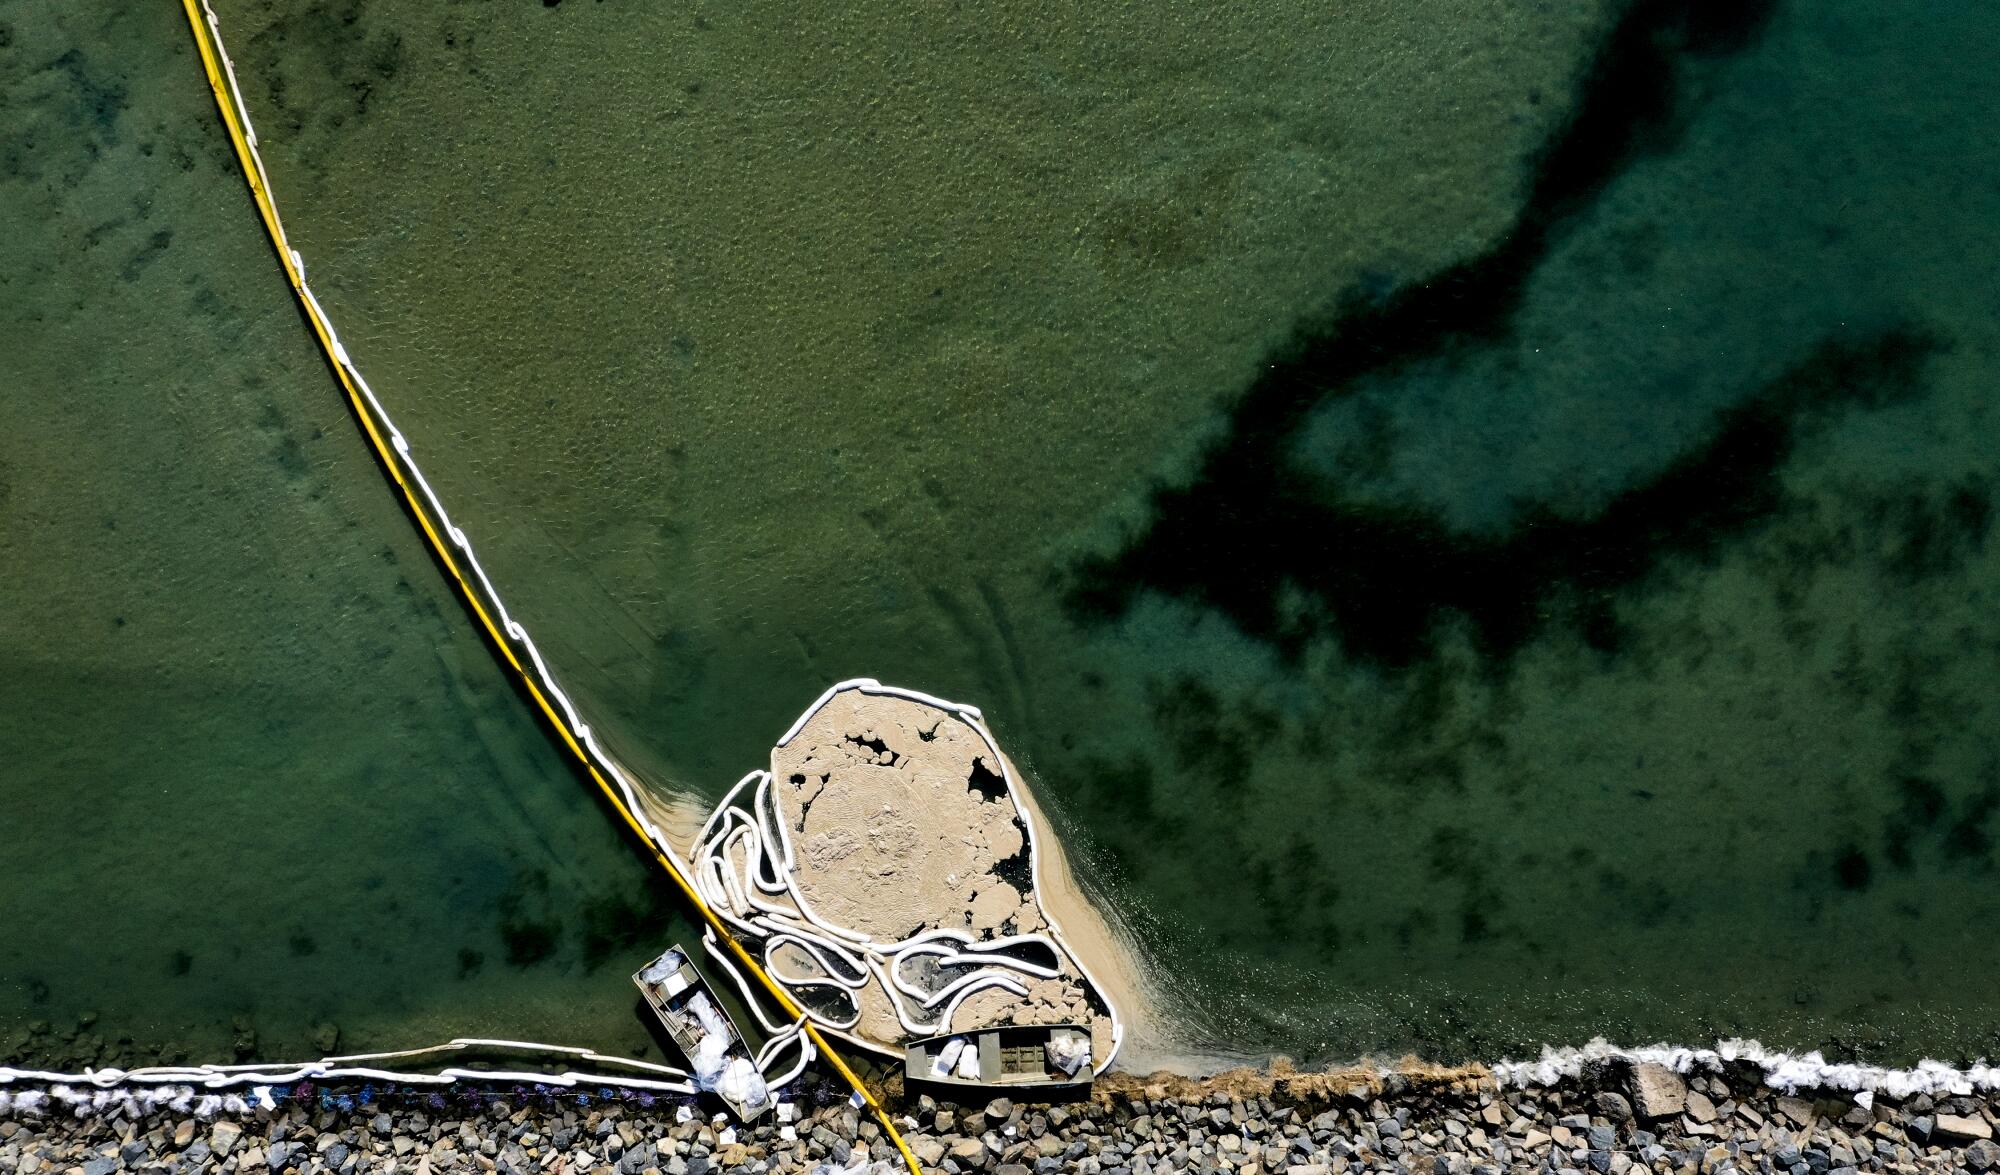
(453, 549)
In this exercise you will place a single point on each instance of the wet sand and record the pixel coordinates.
(1108, 950)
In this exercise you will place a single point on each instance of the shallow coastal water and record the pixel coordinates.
(263, 792)
(1476, 526)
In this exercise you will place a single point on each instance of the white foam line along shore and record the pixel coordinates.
(743, 853)
(1786, 1071)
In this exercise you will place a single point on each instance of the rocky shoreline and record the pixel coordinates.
(1612, 1118)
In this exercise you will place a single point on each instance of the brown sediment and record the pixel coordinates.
(677, 815)
(1402, 1079)
(1283, 1082)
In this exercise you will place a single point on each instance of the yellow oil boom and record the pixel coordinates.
(507, 637)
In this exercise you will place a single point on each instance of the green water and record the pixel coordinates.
(258, 776)
(1475, 521)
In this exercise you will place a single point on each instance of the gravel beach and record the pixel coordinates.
(1612, 1118)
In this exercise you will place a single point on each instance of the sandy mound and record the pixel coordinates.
(902, 822)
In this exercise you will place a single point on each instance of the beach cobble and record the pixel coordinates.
(1612, 1120)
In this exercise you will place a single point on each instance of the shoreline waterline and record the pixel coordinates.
(1779, 1070)
(1612, 1113)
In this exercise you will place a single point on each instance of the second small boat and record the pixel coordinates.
(1050, 1062)
(700, 1025)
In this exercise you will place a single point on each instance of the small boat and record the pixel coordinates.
(700, 1025)
(1051, 1062)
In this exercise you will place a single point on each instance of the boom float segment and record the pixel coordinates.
(171, 1082)
(454, 550)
